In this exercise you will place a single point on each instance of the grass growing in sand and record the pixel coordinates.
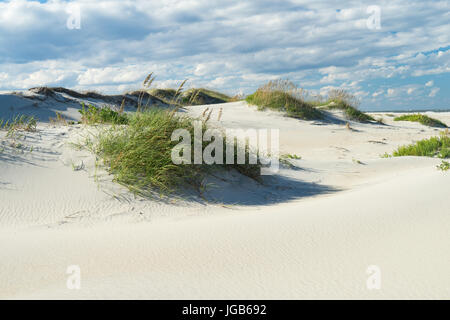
(432, 147)
(137, 148)
(283, 95)
(20, 122)
(285, 159)
(423, 119)
(139, 154)
(343, 100)
(14, 136)
(444, 166)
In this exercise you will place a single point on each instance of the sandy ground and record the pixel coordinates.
(310, 231)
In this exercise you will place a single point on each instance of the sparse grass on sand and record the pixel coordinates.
(15, 128)
(19, 122)
(423, 119)
(444, 166)
(283, 95)
(432, 147)
(343, 100)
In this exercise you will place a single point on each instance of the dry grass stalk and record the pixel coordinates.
(194, 96)
(59, 119)
(343, 95)
(146, 85)
(178, 92)
(209, 116)
(122, 106)
(147, 79)
(205, 111)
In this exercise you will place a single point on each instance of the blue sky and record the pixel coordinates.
(233, 46)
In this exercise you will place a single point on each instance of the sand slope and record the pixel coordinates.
(309, 232)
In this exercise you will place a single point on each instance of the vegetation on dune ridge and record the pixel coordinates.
(145, 96)
(423, 119)
(432, 147)
(164, 94)
(93, 115)
(343, 100)
(199, 96)
(283, 95)
(194, 96)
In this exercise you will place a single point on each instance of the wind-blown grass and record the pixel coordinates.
(423, 119)
(283, 95)
(137, 148)
(432, 147)
(139, 154)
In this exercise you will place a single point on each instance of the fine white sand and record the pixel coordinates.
(309, 232)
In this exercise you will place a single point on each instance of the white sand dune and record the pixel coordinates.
(308, 232)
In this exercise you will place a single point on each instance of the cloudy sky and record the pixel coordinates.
(233, 46)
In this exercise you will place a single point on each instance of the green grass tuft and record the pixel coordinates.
(423, 119)
(433, 147)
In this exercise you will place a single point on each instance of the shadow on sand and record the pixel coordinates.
(273, 189)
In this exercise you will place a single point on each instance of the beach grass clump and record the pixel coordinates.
(139, 154)
(93, 115)
(283, 95)
(423, 119)
(343, 100)
(432, 147)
